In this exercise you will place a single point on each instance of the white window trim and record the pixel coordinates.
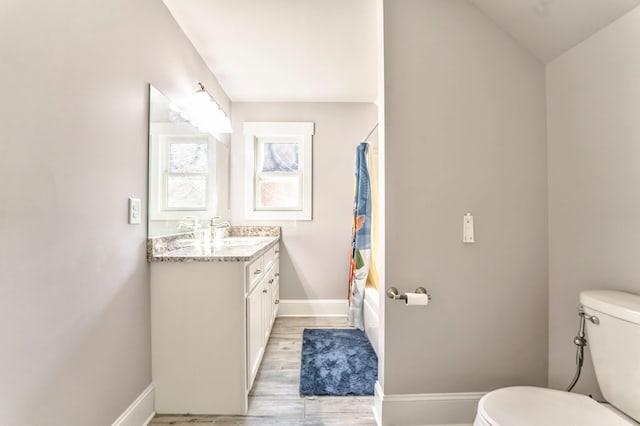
(255, 130)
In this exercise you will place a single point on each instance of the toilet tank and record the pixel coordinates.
(615, 346)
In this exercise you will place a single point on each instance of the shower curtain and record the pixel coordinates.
(361, 238)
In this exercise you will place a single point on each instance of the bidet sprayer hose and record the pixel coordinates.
(580, 343)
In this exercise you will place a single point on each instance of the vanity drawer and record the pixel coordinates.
(268, 258)
(271, 256)
(255, 271)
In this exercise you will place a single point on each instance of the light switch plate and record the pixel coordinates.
(467, 229)
(134, 211)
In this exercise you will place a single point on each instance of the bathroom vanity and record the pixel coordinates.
(212, 309)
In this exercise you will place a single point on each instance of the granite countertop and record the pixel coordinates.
(224, 253)
(241, 245)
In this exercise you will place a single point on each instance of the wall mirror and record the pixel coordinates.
(188, 172)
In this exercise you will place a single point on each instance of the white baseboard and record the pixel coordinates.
(433, 409)
(313, 308)
(140, 412)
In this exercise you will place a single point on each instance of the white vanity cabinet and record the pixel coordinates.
(255, 331)
(210, 323)
(262, 305)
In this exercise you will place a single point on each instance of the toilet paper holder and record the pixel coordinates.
(392, 293)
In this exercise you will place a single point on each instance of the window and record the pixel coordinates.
(187, 176)
(183, 167)
(278, 170)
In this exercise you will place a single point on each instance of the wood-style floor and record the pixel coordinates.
(275, 398)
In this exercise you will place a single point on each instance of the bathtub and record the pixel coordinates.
(371, 302)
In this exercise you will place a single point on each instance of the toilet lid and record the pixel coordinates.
(531, 406)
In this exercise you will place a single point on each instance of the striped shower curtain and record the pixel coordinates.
(361, 238)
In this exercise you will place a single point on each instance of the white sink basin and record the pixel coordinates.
(239, 241)
(187, 242)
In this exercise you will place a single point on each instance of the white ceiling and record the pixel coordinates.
(550, 27)
(325, 50)
(286, 50)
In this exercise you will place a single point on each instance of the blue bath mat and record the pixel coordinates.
(337, 362)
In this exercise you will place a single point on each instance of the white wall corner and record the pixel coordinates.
(432, 409)
(377, 403)
(140, 412)
(313, 308)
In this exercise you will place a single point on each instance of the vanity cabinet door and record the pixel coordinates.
(275, 300)
(255, 331)
(275, 291)
(266, 306)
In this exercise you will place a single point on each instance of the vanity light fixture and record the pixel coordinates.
(204, 113)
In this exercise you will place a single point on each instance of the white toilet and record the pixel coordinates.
(615, 351)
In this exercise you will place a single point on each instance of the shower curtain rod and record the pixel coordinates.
(371, 132)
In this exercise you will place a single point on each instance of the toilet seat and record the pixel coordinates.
(532, 406)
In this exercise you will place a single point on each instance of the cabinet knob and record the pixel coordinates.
(277, 302)
(271, 281)
(264, 291)
(277, 274)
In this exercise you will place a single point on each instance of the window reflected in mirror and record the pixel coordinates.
(188, 171)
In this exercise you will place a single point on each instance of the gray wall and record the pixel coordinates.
(314, 262)
(593, 97)
(74, 283)
(465, 132)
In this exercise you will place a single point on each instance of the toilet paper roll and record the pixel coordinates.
(417, 299)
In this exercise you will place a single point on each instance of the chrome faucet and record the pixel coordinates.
(218, 228)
